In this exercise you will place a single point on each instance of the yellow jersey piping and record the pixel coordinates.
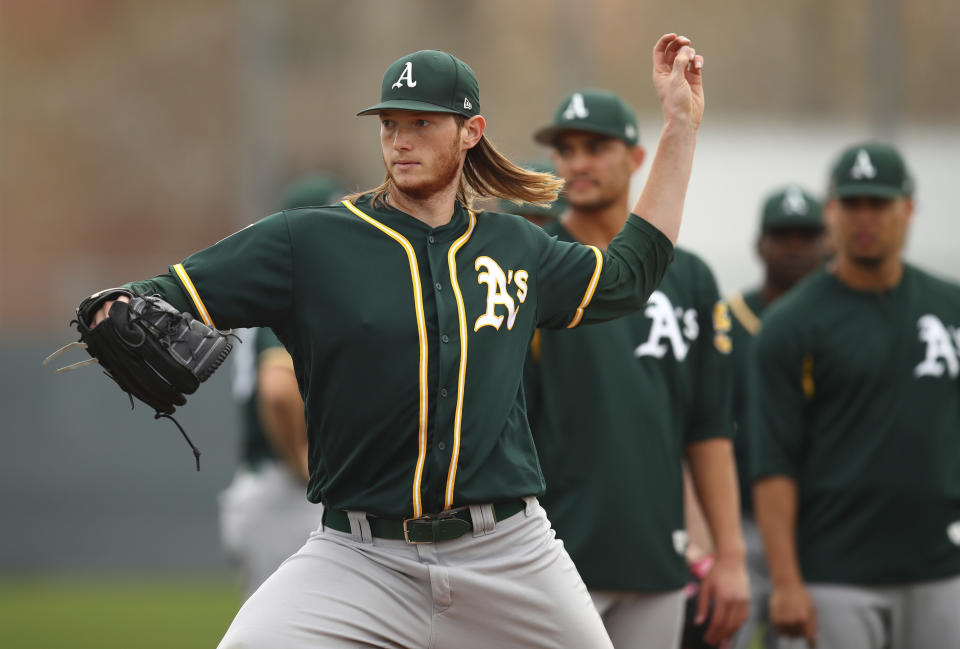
(461, 378)
(590, 288)
(744, 314)
(194, 295)
(422, 335)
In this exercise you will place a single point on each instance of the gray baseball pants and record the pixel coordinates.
(641, 620)
(510, 584)
(923, 615)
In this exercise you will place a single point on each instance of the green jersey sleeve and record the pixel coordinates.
(776, 399)
(581, 284)
(244, 280)
(711, 412)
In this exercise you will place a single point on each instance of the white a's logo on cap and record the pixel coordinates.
(863, 166)
(577, 109)
(794, 202)
(406, 77)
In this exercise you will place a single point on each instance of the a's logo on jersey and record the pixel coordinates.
(577, 109)
(942, 348)
(863, 166)
(406, 77)
(721, 328)
(666, 325)
(497, 295)
(794, 202)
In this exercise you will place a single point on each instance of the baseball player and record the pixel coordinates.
(854, 430)
(264, 513)
(615, 408)
(791, 244)
(408, 317)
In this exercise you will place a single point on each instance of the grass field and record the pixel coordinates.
(110, 613)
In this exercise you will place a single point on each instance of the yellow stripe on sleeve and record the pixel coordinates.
(194, 295)
(590, 288)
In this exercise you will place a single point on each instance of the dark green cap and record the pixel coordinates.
(870, 169)
(429, 80)
(312, 191)
(791, 207)
(527, 209)
(593, 111)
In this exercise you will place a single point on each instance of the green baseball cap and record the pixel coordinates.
(870, 169)
(791, 207)
(555, 209)
(312, 191)
(593, 111)
(429, 80)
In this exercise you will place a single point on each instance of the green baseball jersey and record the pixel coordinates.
(409, 341)
(613, 407)
(746, 310)
(856, 396)
(255, 447)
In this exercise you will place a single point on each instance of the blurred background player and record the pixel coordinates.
(616, 407)
(264, 513)
(791, 244)
(855, 431)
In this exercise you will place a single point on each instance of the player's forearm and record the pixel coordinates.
(661, 201)
(714, 476)
(282, 415)
(775, 508)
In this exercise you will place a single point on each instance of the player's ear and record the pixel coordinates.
(637, 155)
(472, 131)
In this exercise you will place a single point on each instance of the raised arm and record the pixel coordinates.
(677, 76)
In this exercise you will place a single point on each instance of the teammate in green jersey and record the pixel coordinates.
(854, 409)
(408, 317)
(617, 407)
(791, 244)
(264, 513)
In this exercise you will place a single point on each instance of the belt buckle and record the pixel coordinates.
(406, 531)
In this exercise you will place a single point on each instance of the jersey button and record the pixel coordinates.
(438, 286)
(431, 239)
(443, 392)
(445, 338)
(442, 446)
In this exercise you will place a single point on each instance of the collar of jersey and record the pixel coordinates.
(413, 228)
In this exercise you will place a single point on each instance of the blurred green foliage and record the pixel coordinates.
(110, 613)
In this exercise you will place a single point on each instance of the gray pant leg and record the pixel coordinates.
(641, 620)
(931, 615)
(848, 617)
(759, 615)
(512, 586)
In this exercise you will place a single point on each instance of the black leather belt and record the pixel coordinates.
(445, 526)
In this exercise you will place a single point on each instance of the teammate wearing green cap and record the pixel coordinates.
(791, 244)
(408, 317)
(854, 431)
(617, 407)
(264, 514)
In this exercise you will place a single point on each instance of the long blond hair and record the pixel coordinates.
(487, 173)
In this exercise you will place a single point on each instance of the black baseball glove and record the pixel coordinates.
(154, 352)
